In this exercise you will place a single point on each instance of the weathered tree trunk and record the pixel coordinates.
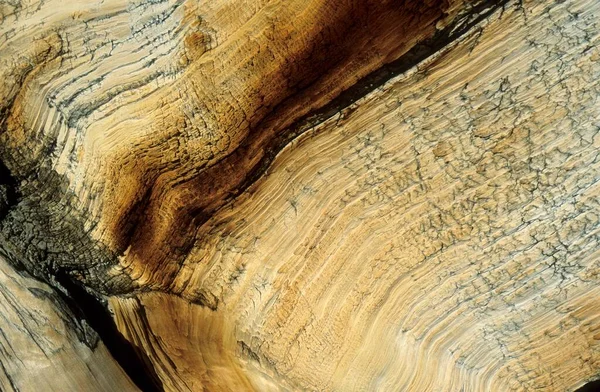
(331, 195)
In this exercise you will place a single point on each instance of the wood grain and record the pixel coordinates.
(144, 111)
(307, 195)
(43, 345)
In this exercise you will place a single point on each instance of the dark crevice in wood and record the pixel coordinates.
(9, 193)
(131, 359)
(592, 386)
(223, 182)
(376, 79)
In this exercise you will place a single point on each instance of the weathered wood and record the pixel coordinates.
(308, 195)
(44, 346)
(440, 234)
(155, 113)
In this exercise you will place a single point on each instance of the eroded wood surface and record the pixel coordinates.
(190, 163)
(440, 234)
(44, 346)
(146, 116)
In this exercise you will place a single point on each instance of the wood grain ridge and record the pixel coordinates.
(303, 195)
(43, 343)
(439, 234)
(126, 126)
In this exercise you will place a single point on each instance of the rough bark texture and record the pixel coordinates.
(300, 195)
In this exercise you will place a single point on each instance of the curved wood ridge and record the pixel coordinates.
(385, 195)
(147, 129)
(43, 343)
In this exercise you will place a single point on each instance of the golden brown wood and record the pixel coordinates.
(313, 195)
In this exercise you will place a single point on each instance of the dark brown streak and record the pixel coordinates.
(218, 185)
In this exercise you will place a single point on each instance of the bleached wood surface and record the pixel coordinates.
(437, 233)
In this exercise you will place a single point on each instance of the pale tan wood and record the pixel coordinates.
(437, 234)
(40, 349)
(131, 103)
